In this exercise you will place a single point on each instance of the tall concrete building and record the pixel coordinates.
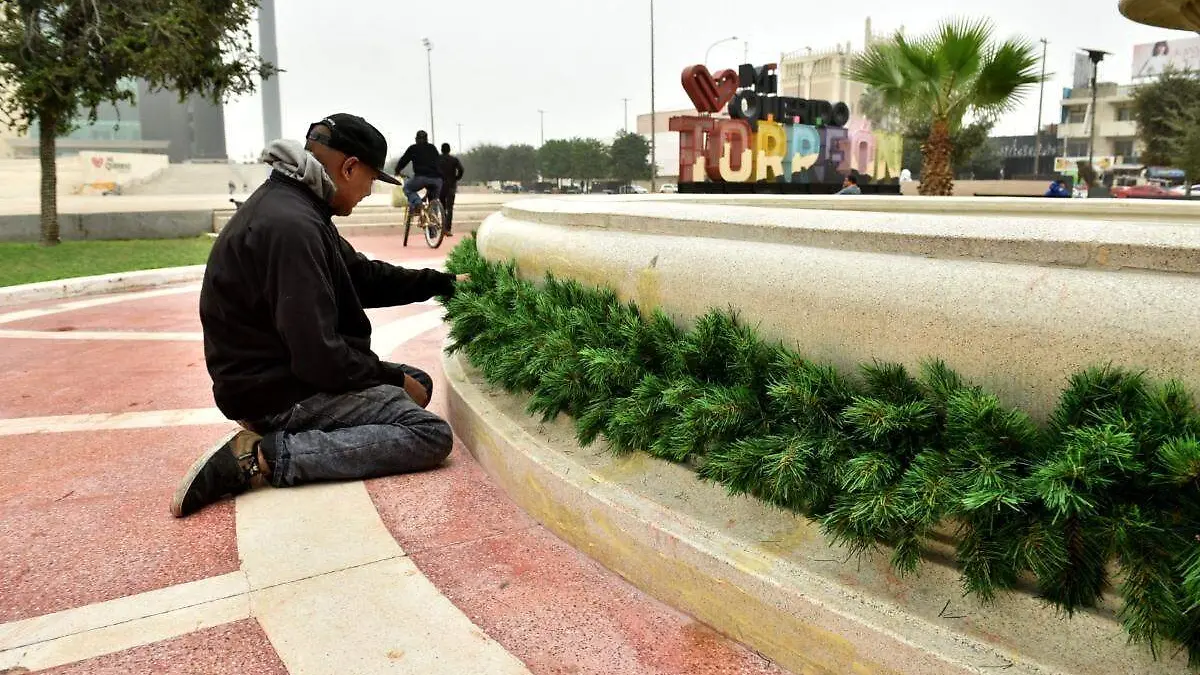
(272, 115)
(1116, 128)
(194, 129)
(824, 74)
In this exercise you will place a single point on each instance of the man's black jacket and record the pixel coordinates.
(452, 172)
(424, 159)
(282, 304)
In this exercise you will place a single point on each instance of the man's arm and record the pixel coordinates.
(380, 284)
(458, 170)
(299, 290)
(404, 160)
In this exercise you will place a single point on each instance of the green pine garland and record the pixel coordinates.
(884, 458)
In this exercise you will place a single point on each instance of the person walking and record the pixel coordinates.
(452, 172)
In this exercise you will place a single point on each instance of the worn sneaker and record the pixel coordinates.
(227, 468)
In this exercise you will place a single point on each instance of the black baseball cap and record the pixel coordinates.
(354, 136)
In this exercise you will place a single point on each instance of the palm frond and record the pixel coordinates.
(1005, 77)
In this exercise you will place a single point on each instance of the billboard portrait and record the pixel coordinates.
(1152, 58)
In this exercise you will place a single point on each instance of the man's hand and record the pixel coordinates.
(462, 278)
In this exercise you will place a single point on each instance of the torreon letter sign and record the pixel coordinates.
(769, 137)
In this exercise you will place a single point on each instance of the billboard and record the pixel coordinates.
(1152, 58)
(1082, 78)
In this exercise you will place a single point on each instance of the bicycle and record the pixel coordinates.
(431, 217)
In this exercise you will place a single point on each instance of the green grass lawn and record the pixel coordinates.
(22, 263)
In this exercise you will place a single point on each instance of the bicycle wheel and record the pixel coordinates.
(434, 233)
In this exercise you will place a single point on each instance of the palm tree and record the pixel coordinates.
(874, 107)
(945, 77)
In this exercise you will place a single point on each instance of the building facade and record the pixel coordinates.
(1116, 127)
(824, 74)
(194, 129)
(155, 123)
(1019, 154)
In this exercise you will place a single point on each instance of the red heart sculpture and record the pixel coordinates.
(97, 162)
(709, 93)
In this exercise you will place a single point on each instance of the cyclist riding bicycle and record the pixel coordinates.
(426, 174)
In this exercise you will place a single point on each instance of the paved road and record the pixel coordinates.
(106, 402)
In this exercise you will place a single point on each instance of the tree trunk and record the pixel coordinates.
(937, 177)
(47, 123)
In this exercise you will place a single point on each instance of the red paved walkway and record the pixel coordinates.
(83, 515)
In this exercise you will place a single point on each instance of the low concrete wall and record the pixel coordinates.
(766, 577)
(104, 171)
(130, 225)
(1015, 304)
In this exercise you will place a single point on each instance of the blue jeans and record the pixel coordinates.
(412, 186)
(375, 432)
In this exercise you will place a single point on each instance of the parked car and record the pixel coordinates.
(1147, 190)
(1182, 190)
(669, 188)
(638, 190)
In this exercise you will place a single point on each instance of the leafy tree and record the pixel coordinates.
(951, 75)
(63, 59)
(874, 107)
(482, 163)
(630, 157)
(1165, 111)
(519, 163)
(589, 159)
(554, 159)
(1186, 154)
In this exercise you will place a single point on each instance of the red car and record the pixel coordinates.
(1147, 190)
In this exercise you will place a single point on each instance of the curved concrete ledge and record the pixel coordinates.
(1149, 210)
(763, 576)
(103, 283)
(1014, 304)
(1176, 14)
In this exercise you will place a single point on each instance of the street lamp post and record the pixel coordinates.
(653, 112)
(429, 65)
(625, 119)
(542, 126)
(1037, 144)
(710, 47)
(1096, 56)
(460, 145)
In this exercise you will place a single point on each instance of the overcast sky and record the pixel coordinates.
(495, 64)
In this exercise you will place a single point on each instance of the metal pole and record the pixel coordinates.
(272, 119)
(542, 114)
(1037, 152)
(625, 120)
(429, 64)
(710, 47)
(460, 145)
(653, 112)
(1092, 132)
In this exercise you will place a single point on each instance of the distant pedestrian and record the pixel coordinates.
(1058, 189)
(850, 186)
(452, 172)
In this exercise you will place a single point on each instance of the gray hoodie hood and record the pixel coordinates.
(292, 160)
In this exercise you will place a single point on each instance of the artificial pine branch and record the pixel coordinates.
(1115, 476)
